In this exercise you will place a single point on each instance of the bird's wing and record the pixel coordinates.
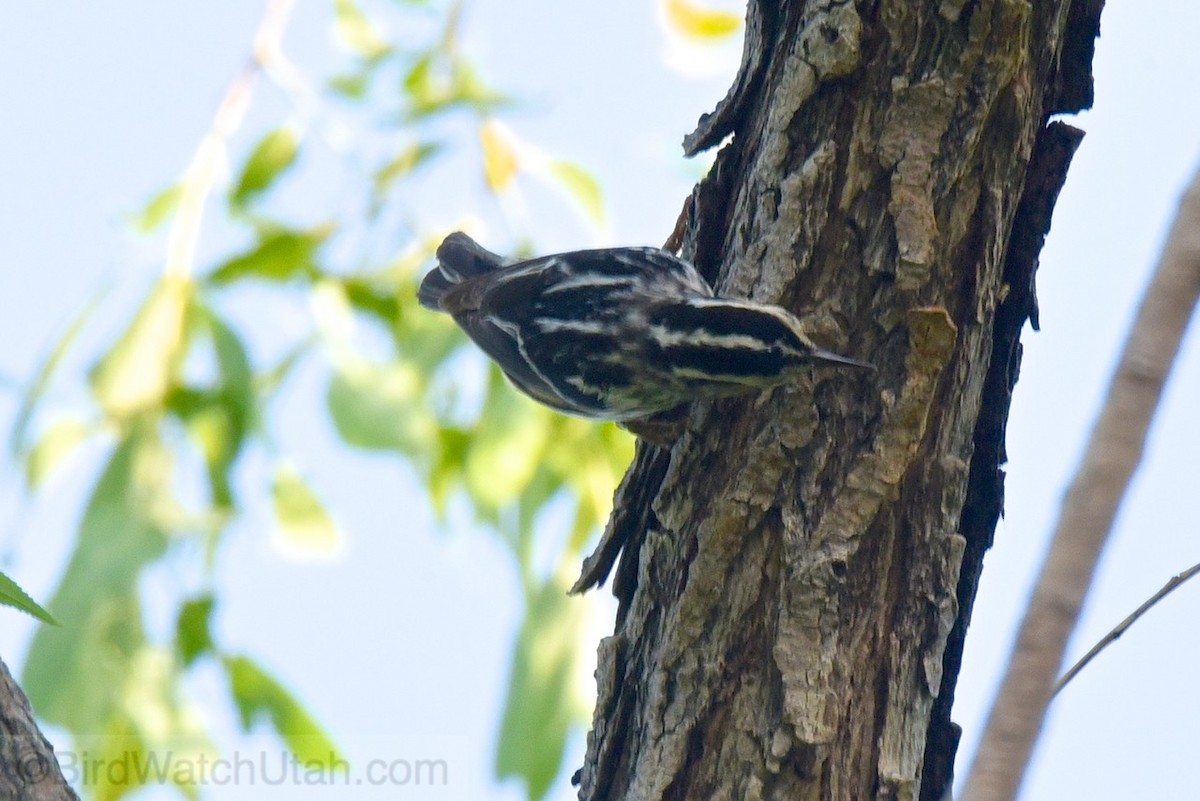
(502, 342)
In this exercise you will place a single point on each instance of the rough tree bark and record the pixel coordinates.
(799, 566)
(29, 770)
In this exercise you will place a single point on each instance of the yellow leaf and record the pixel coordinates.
(160, 207)
(582, 187)
(500, 160)
(138, 371)
(305, 526)
(696, 22)
(356, 32)
(58, 442)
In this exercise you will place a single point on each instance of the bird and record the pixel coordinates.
(617, 334)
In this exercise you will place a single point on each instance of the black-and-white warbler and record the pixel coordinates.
(615, 334)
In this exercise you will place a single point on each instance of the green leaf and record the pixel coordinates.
(18, 440)
(140, 369)
(421, 83)
(404, 162)
(583, 188)
(425, 340)
(381, 407)
(154, 739)
(117, 742)
(352, 85)
(74, 675)
(368, 296)
(303, 522)
(542, 701)
(162, 723)
(507, 448)
(158, 210)
(440, 80)
(56, 444)
(268, 382)
(447, 472)
(521, 537)
(279, 256)
(12, 595)
(271, 157)
(590, 459)
(258, 695)
(219, 418)
(233, 364)
(192, 635)
(357, 33)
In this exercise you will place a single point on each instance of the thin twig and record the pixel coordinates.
(1123, 626)
(1114, 451)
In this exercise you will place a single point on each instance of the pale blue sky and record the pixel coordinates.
(403, 652)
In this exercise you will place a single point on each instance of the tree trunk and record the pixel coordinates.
(29, 770)
(800, 565)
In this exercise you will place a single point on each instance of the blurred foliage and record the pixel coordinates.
(701, 37)
(695, 21)
(178, 386)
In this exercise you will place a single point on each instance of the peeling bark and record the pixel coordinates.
(799, 566)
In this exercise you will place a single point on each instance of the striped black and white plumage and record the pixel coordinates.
(615, 334)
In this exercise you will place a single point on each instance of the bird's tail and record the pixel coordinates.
(459, 257)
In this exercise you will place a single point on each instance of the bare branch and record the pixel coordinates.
(1108, 639)
(1113, 454)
